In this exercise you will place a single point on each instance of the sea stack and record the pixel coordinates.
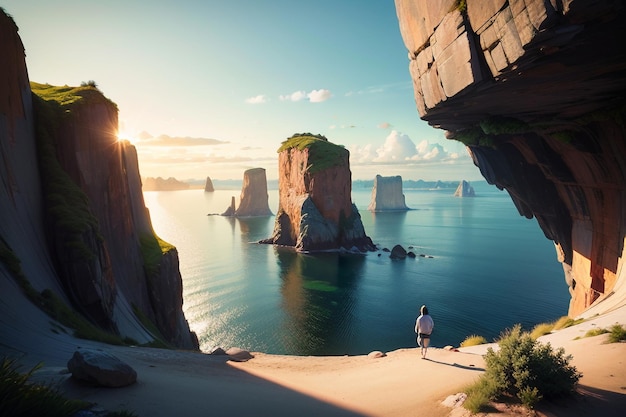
(315, 209)
(387, 194)
(208, 186)
(464, 190)
(254, 196)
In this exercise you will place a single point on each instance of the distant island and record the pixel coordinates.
(161, 184)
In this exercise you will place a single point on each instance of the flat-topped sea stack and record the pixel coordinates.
(315, 209)
(464, 190)
(254, 197)
(387, 194)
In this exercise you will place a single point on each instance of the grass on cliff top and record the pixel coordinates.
(152, 250)
(322, 153)
(67, 96)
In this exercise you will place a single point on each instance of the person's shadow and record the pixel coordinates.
(456, 365)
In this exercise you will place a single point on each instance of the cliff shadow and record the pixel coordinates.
(254, 229)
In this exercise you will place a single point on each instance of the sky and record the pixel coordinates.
(212, 88)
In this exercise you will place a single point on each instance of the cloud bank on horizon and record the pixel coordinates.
(194, 158)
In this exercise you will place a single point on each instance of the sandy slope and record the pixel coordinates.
(399, 384)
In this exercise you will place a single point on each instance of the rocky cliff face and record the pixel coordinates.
(536, 90)
(60, 152)
(254, 196)
(315, 204)
(387, 194)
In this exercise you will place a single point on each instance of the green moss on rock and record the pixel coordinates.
(322, 153)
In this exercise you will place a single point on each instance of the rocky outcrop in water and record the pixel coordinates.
(74, 223)
(315, 210)
(464, 190)
(254, 197)
(387, 194)
(536, 91)
(208, 186)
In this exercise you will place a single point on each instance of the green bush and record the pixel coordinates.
(527, 369)
(473, 340)
(617, 333)
(20, 397)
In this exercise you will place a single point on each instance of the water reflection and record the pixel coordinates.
(387, 226)
(254, 229)
(318, 298)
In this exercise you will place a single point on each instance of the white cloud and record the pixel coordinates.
(260, 99)
(295, 96)
(399, 148)
(317, 96)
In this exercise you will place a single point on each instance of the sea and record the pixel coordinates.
(480, 268)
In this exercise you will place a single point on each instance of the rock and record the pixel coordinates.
(398, 252)
(239, 355)
(100, 368)
(464, 190)
(455, 400)
(208, 186)
(411, 254)
(376, 354)
(535, 89)
(230, 211)
(387, 194)
(254, 196)
(315, 210)
(217, 351)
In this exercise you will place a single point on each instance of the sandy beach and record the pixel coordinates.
(399, 384)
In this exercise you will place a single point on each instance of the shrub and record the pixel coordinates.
(565, 322)
(595, 332)
(527, 369)
(473, 340)
(617, 333)
(20, 397)
(541, 329)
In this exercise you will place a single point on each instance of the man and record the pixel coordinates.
(424, 327)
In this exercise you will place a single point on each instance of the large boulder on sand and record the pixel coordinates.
(100, 368)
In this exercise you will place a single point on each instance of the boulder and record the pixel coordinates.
(239, 355)
(464, 190)
(254, 196)
(100, 368)
(387, 194)
(398, 252)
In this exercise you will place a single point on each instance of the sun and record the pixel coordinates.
(125, 136)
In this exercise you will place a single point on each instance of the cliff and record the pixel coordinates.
(464, 190)
(315, 210)
(387, 194)
(535, 89)
(74, 226)
(208, 186)
(254, 197)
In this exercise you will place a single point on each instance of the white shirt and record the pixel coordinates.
(424, 324)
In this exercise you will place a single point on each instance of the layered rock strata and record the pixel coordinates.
(315, 210)
(387, 194)
(536, 90)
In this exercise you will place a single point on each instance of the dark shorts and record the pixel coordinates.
(424, 335)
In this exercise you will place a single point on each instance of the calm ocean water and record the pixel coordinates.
(490, 268)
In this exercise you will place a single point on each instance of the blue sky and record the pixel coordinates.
(212, 88)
